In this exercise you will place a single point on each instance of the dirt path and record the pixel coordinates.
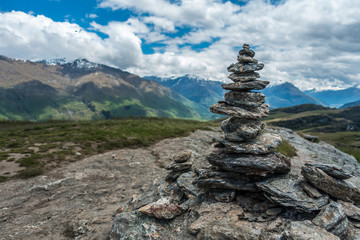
(78, 201)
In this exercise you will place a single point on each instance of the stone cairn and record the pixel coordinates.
(246, 154)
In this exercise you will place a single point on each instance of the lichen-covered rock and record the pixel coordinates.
(185, 182)
(263, 144)
(220, 221)
(244, 77)
(244, 99)
(245, 86)
(182, 156)
(251, 113)
(286, 191)
(341, 189)
(351, 210)
(238, 130)
(161, 209)
(332, 218)
(331, 170)
(305, 230)
(249, 164)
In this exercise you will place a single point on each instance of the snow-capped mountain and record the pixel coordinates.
(80, 63)
(193, 87)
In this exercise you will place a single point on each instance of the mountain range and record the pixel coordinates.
(79, 89)
(83, 90)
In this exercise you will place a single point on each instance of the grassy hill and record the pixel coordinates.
(40, 146)
(339, 127)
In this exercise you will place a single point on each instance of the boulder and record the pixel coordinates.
(340, 189)
(264, 143)
(251, 113)
(245, 86)
(249, 164)
(244, 99)
(238, 130)
(286, 191)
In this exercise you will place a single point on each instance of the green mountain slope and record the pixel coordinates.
(82, 90)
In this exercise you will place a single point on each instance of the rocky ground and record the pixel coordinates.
(80, 200)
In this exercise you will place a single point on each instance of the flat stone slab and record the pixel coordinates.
(238, 130)
(332, 170)
(341, 189)
(246, 59)
(247, 99)
(264, 143)
(249, 164)
(333, 219)
(286, 191)
(212, 179)
(245, 86)
(244, 77)
(306, 230)
(254, 113)
(245, 67)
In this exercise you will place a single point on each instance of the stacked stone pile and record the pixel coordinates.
(246, 154)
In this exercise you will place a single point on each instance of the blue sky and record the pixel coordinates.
(313, 44)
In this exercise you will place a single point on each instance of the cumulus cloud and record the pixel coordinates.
(309, 43)
(37, 37)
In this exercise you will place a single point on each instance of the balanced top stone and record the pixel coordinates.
(246, 51)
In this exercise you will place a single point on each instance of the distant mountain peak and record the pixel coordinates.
(80, 63)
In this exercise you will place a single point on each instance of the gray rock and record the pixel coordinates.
(244, 77)
(245, 68)
(247, 51)
(185, 182)
(122, 227)
(237, 129)
(249, 164)
(245, 86)
(264, 143)
(351, 210)
(310, 190)
(246, 59)
(179, 166)
(253, 113)
(220, 221)
(182, 156)
(211, 179)
(311, 138)
(247, 99)
(273, 211)
(162, 209)
(305, 230)
(340, 189)
(331, 170)
(286, 191)
(222, 195)
(333, 219)
(173, 175)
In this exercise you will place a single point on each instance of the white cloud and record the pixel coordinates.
(309, 43)
(37, 37)
(91, 15)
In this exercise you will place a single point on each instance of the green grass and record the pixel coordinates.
(59, 142)
(286, 149)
